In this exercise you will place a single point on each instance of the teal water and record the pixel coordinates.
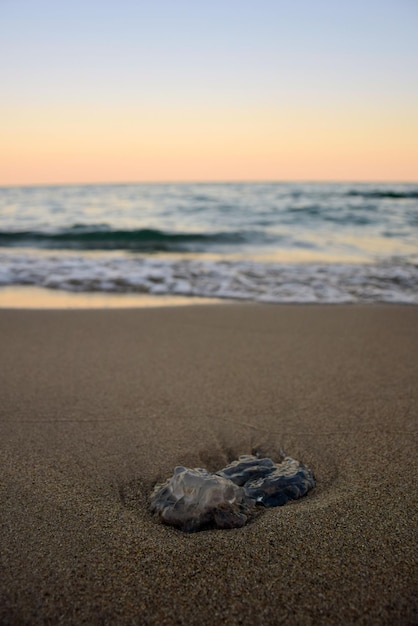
(275, 242)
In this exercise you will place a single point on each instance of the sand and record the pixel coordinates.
(96, 406)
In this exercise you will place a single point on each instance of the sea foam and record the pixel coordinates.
(395, 281)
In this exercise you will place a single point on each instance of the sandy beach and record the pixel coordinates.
(96, 406)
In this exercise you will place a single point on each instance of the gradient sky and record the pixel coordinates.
(93, 90)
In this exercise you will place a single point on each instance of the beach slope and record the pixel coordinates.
(97, 406)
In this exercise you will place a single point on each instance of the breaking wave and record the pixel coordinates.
(388, 281)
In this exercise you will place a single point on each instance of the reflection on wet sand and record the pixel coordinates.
(39, 298)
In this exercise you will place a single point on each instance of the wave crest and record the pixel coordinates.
(101, 237)
(382, 194)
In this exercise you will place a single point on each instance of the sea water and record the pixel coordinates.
(269, 242)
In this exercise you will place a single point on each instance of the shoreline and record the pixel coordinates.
(98, 405)
(42, 298)
(33, 298)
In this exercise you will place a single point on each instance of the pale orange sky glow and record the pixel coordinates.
(176, 118)
(302, 144)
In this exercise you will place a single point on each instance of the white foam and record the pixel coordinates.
(392, 281)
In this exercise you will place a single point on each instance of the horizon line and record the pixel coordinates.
(214, 182)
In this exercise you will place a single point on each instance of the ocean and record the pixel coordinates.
(266, 242)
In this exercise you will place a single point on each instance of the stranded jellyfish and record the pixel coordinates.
(195, 499)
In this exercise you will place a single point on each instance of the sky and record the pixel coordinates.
(186, 90)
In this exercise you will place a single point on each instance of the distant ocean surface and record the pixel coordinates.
(269, 242)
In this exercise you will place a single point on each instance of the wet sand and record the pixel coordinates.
(96, 406)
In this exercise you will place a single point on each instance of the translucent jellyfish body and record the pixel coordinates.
(247, 468)
(288, 480)
(194, 499)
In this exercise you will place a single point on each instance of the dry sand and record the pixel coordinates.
(96, 406)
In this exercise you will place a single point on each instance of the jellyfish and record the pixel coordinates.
(195, 499)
